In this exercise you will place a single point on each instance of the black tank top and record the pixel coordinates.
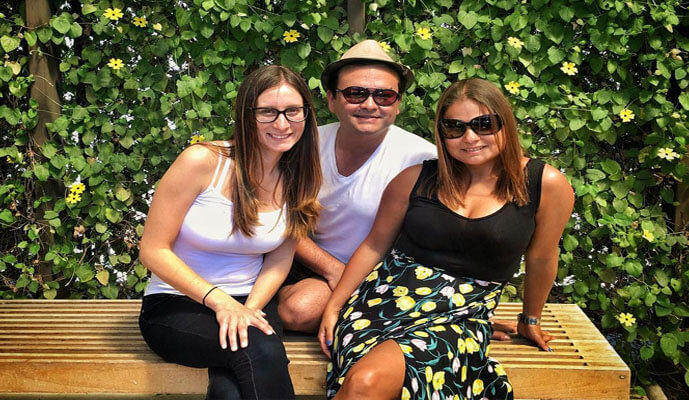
(489, 248)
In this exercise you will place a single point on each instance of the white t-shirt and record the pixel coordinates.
(350, 203)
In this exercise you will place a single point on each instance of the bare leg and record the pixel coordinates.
(301, 305)
(378, 375)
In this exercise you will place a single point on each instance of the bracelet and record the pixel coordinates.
(523, 318)
(207, 293)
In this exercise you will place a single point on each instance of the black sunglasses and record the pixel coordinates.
(357, 95)
(483, 125)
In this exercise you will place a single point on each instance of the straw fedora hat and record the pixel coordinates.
(368, 50)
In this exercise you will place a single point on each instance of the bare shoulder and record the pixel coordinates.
(554, 181)
(192, 171)
(556, 192)
(198, 158)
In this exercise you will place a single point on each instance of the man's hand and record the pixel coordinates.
(334, 274)
(502, 329)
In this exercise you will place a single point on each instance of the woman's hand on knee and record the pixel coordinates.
(235, 319)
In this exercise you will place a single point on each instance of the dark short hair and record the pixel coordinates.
(334, 82)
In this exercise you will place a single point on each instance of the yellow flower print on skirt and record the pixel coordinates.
(438, 320)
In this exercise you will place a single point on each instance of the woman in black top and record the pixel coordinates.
(416, 324)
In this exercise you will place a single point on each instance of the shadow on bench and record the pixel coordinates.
(94, 347)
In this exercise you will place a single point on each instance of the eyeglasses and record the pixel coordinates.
(483, 125)
(269, 114)
(358, 95)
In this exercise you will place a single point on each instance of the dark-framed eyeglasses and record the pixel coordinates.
(357, 95)
(483, 125)
(270, 114)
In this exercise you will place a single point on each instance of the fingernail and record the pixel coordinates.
(224, 346)
(329, 342)
(234, 348)
(550, 349)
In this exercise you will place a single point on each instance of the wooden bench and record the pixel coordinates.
(94, 346)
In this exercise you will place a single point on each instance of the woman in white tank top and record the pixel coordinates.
(220, 237)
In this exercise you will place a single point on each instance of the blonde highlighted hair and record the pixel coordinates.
(453, 176)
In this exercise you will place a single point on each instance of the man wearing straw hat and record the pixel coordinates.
(360, 155)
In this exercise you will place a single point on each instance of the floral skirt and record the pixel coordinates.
(440, 323)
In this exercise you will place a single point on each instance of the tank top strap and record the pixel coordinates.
(534, 171)
(221, 171)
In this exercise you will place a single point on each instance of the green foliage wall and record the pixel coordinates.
(599, 88)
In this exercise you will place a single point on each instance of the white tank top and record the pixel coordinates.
(231, 262)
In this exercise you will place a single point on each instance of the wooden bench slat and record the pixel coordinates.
(94, 346)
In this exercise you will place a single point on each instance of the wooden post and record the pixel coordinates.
(356, 16)
(43, 66)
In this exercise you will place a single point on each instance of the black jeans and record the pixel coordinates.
(185, 332)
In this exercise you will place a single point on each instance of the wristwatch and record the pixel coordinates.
(523, 318)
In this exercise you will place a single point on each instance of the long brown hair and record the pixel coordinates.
(300, 168)
(453, 176)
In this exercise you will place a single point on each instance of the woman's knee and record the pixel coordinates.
(261, 368)
(363, 382)
(264, 348)
(302, 310)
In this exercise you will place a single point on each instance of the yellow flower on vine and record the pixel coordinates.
(157, 27)
(667, 153)
(500, 370)
(627, 115)
(515, 42)
(361, 324)
(115, 63)
(197, 138)
(374, 302)
(648, 235)
(73, 198)
(291, 36)
(424, 33)
(626, 319)
(113, 14)
(77, 188)
(404, 303)
(438, 380)
(140, 22)
(385, 46)
(423, 272)
(569, 68)
(513, 87)
(372, 276)
(423, 291)
(477, 387)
